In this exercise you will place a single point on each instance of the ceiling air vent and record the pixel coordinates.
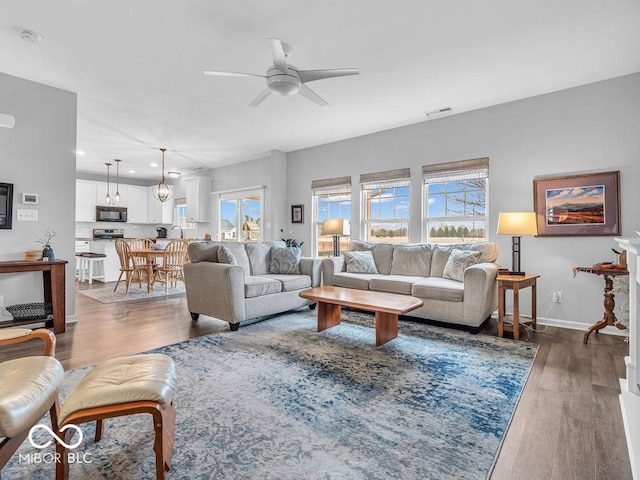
(441, 112)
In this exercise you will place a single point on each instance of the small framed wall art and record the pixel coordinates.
(6, 205)
(297, 213)
(578, 205)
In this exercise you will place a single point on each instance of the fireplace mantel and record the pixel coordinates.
(629, 386)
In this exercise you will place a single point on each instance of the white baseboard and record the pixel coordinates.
(554, 322)
(71, 319)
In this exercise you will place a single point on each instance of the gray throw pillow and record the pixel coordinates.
(285, 260)
(360, 262)
(203, 252)
(225, 256)
(458, 262)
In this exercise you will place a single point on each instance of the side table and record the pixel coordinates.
(515, 283)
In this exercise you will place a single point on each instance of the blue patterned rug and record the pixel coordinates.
(277, 400)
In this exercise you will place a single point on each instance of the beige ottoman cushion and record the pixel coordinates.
(150, 377)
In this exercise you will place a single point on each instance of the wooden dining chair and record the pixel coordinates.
(171, 270)
(129, 266)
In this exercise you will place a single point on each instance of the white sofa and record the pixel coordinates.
(418, 269)
(245, 289)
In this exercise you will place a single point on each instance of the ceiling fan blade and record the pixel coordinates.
(313, 96)
(231, 74)
(277, 52)
(311, 75)
(258, 100)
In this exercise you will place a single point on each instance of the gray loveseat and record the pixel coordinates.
(243, 288)
(452, 291)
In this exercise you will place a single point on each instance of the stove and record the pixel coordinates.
(107, 233)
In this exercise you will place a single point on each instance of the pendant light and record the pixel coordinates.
(162, 191)
(107, 197)
(116, 197)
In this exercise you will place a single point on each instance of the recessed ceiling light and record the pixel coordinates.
(30, 36)
(132, 171)
(173, 174)
(153, 164)
(79, 152)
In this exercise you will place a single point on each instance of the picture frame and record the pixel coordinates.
(578, 205)
(297, 213)
(6, 206)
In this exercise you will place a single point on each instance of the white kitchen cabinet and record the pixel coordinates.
(111, 261)
(198, 193)
(85, 201)
(101, 193)
(138, 200)
(159, 212)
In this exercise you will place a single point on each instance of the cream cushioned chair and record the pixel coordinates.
(28, 388)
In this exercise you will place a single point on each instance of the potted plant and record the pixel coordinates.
(47, 250)
(290, 242)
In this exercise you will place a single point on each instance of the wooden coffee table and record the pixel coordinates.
(387, 307)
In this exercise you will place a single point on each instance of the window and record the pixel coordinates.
(385, 201)
(331, 199)
(455, 196)
(181, 214)
(240, 216)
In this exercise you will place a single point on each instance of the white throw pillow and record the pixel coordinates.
(458, 262)
(285, 260)
(225, 256)
(360, 262)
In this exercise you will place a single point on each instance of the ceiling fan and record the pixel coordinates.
(285, 79)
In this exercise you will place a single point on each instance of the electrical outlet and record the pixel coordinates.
(557, 297)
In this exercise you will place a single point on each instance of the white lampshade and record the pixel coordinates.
(517, 223)
(336, 226)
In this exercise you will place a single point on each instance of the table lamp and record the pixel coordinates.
(517, 224)
(336, 227)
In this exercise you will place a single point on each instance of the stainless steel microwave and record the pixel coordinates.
(111, 214)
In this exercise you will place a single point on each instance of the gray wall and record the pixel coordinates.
(592, 128)
(37, 156)
(269, 172)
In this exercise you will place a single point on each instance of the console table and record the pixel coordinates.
(609, 318)
(53, 285)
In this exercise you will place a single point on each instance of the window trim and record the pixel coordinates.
(238, 195)
(328, 186)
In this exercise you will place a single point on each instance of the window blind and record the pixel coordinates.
(455, 171)
(390, 178)
(331, 185)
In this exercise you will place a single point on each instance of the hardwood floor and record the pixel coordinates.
(567, 425)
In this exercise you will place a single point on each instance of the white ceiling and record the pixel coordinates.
(137, 67)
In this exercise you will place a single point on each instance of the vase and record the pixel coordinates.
(47, 254)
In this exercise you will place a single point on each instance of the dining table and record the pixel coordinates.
(150, 254)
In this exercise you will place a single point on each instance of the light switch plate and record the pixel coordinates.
(27, 215)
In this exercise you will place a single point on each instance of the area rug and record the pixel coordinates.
(107, 295)
(278, 400)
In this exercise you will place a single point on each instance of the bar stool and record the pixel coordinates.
(91, 265)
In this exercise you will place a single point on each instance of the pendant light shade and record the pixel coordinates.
(162, 191)
(107, 197)
(116, 197)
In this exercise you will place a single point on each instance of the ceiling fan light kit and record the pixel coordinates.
(284, 79)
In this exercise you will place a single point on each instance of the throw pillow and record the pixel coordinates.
(458, 262)
(203, 252)
(225, 256)
(285, 260)
(360, 262)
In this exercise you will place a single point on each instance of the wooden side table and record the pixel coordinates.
(515, 283)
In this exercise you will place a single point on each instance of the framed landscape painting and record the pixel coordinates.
(578, 204)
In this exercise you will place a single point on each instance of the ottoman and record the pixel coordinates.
(123, 386)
